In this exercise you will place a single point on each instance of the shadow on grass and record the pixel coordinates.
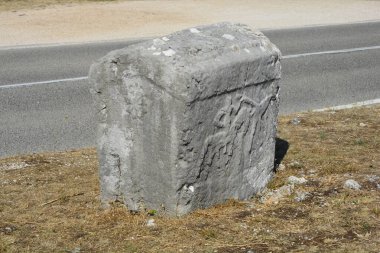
(281, 149)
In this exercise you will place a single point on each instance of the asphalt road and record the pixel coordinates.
(59, 116)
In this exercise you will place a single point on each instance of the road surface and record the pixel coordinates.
(40, 112)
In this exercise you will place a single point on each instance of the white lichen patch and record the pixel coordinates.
(170, 52)
(263, 45)
(228, 36)
(258, 33)
(194, 30)
(188, 188)
(152, 48)
(114, 69)
(235, 48)
(158, 42)
(165, 39)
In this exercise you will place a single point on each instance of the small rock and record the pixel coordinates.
(352, 184)
(281, 167)
(296, 180)
(373, 178)
(245, 226)
(302, 196)
(362, 124)
(296, 164)
(275, 196)
(374, 181)
(76, 250)
(151, 223)
(8, 229)
(250, 205)
(285, 190)
(14, 166)
(295, 121)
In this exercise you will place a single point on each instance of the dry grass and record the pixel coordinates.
(49, 202)
(15, 5)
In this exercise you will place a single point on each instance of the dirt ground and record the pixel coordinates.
(39, 22)
(50, 202)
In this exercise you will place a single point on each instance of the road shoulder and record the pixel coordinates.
(135, 19)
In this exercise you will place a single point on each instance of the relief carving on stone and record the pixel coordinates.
(235, 125)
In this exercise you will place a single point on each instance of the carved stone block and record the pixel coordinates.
(188, 120)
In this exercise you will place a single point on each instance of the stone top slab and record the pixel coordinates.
(189, 53)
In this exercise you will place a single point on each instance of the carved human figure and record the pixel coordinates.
(235, 124)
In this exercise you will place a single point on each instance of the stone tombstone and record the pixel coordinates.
(188, 120)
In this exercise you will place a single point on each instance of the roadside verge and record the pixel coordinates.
(49, 202)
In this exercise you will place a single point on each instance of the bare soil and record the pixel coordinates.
(49, 202)
(59, 21)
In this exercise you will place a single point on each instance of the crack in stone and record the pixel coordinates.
(232, 90)
(116, 160)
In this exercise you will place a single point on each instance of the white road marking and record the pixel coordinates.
(349, 50)
(43, 82)
(340, 51)
(348, 106)
(319, 25)
(63, 44)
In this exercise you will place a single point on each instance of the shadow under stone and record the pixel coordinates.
(281, 149)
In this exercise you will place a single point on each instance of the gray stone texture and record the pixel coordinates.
(188, 120)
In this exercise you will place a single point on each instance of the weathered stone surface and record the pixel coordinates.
(188, 120)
